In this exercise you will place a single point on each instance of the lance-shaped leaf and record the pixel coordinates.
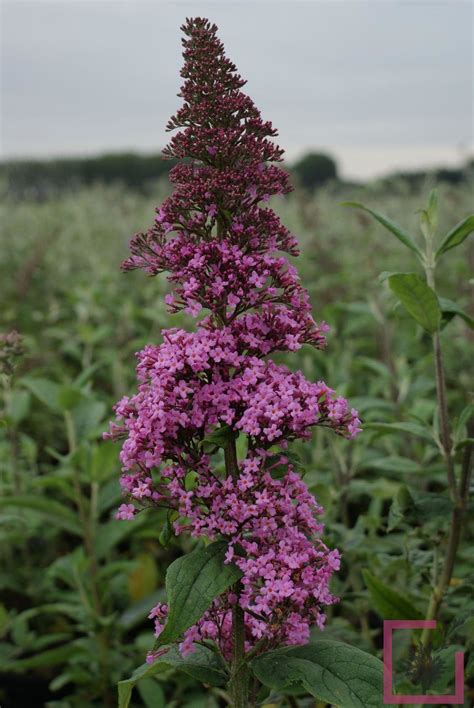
(457, 235)
(50, 657)
(51, 510)
(203, 665)
(418, 298)
(450, 308)
(389, 603)
(394, 428)
(394, 228)
(192, 583)
(432, 209)
(332, 671)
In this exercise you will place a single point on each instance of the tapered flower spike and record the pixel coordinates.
(223, 249)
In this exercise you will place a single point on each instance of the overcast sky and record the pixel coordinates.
(379, 83)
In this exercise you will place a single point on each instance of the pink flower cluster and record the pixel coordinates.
(219, 245)
(272, 531)
(194, 382)
(223, 250)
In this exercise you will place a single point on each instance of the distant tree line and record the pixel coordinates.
(38, 178)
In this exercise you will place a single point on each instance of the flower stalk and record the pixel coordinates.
(459, 492)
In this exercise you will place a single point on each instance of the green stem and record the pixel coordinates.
(459, 495)
(239, 680)
(445, 432)
(455, 531)
(88, 526)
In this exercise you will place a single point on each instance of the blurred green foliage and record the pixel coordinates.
(76, 585)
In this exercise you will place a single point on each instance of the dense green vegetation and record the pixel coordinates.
(75, 584)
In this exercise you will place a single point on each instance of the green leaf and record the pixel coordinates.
(18, 406)
(110, 495)
(466, 414)
(370, 403)
(51, 657)
(87, 416)
(432, 209)
(167, 532)
(428, 505)
(69, 397)
(192, 583)
(411, 428)
(384, 275)
(191, 481)
(418, 298)
(125, 689)
(388, 602)
(219, 437)
(394, 228)
(45, 391)
(139, 611)
(450, 308)
(113, 532)
(393, 463)
(417, 508)
(202, 664)
(402, 501)
(465, 442)
(104, 461)
(457, 235)
(425, 224)
(151, 693)
(53, 511)
(329, 670)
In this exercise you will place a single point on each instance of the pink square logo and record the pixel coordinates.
(389, 697)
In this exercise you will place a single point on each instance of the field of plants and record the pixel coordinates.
(76, 584)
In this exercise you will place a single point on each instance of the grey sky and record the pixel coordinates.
(380, 83)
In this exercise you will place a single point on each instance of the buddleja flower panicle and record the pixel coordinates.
(224, 251)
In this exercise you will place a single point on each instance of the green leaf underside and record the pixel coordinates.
(457, 235)
(389, 603)
(418, 299)
(192, 583)
(202, 665)
(151, 694)
(394, 228)
(329, 670)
